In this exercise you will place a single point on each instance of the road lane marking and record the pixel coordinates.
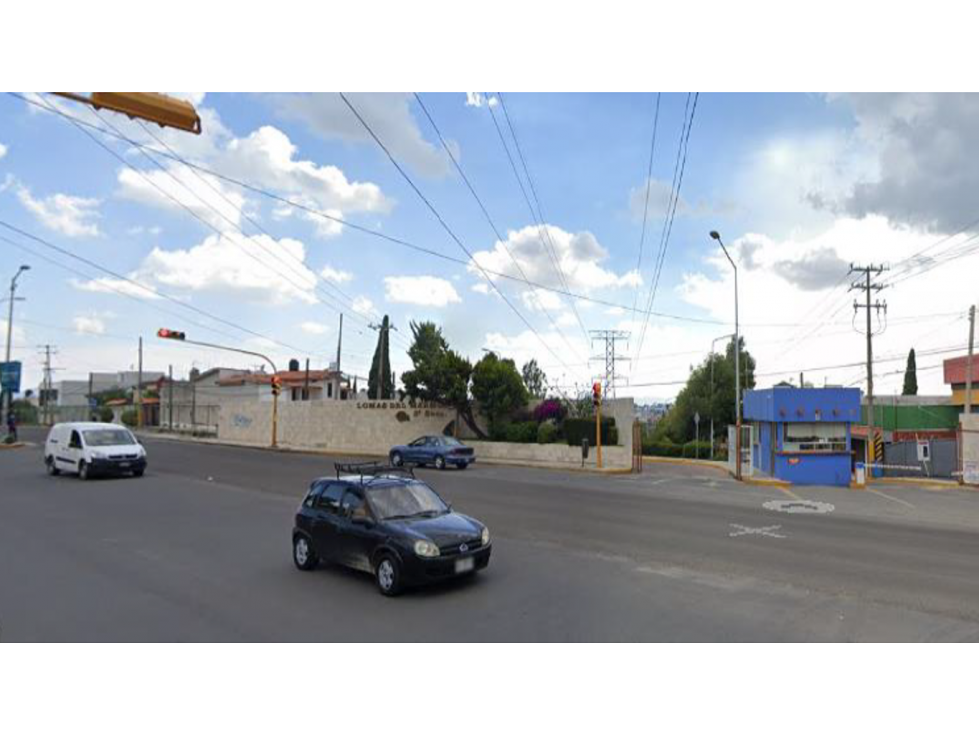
(804, 507)
(768, 531)
(892, 499)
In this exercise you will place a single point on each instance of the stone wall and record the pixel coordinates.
(369, 426)
(969, 432)
(613, 457)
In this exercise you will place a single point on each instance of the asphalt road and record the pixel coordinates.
(199, 549)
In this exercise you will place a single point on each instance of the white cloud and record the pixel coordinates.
(179, 189)
(118, 286)
(72, 216)
(422, 290)
(579, 256)
(539, 299)
(478, 99)
(335, 276)
(389, 115)
(140, 229)
(363, 306)
(314, 327)
(483, 288)
(88, 325)
(259, 267)
(3, 150)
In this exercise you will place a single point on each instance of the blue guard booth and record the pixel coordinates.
(802, 435)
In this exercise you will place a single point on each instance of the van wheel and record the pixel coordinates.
(52, 469)
(83, 471)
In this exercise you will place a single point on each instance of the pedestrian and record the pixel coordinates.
(11, 425)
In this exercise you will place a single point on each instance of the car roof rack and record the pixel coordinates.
(371, 469)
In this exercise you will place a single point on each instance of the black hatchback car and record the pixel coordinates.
(382, 520)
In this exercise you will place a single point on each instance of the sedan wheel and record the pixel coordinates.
(397, 459)
(440, 462)
(388, 576)
(302, 554)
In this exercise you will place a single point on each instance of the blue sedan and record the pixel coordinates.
(439, 451)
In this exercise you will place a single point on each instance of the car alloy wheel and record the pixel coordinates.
(388, 576)
(302, 554)
(396, 458)
(82, 470)
(440, 462)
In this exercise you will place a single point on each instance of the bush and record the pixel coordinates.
(497, 432)
(129, 417)
(105, 414)
(661, 448)
(576, 429)
(689, 450)
(547, 432)
(522, 432)
(549, 410)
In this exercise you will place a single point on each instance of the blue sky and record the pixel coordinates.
(800, 185)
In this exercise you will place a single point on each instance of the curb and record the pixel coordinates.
(766, 482)
(722, 467)
(16, 445)
(944, 484)
(330, 452)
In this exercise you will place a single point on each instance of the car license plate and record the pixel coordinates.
(124, 464)
(463, 565)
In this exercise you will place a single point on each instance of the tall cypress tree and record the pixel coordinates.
(910, 376)
(382, 357)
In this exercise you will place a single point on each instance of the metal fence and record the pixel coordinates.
(901, 459)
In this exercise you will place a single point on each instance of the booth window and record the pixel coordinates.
(828, 437)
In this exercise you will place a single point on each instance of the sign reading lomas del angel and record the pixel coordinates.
(417, 409)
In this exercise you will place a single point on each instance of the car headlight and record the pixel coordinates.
(486, 536)
(98, 455)
(426, 549)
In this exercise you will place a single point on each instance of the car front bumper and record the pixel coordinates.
(112, 467)
(417, 571)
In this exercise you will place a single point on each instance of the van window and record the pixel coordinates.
(76, 441)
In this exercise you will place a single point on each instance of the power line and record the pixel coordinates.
(299, 206)
(486, 214)
(645, 208)
(555, 260)
(668, 222)
(445, 226)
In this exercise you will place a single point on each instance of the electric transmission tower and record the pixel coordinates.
(609, 337)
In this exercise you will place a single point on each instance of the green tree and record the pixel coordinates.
(382, 361)
(910, 376)
(534, 379)
(702, 396)
(440, 374)
(498, 387)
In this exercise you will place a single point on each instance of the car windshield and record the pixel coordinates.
(109, 437)
(411, 499)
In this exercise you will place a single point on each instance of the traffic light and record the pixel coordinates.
(159, 108)
(596, 394)
(276, 385)
(171, 334)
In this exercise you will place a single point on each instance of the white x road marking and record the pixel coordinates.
(745, 530)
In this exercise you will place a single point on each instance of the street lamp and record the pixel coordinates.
(737, 359)
(8, 395)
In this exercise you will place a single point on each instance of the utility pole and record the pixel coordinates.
(384, 340)
(609, 337)
(968, 361)
(170, 398)
(88, 397)
(336, 393)
(867, 286)
(48, 369)
(139, 388)
(8, 396)
(306, 385)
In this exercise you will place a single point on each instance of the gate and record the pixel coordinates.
(748, 450)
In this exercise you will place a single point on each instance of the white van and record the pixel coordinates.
(88, 449)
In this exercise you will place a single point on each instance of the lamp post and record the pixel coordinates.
(8, 396)
(737, 359)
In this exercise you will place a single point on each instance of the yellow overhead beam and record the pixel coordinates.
(151, 106)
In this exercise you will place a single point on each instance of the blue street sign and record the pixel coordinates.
(10, 376)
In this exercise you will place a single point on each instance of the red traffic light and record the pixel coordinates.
(276, 384)
(171, 334)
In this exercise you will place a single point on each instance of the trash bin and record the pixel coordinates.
(861, 474)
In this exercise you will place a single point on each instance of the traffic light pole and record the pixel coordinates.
(275, 395)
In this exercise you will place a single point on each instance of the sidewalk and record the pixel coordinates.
(588, 469)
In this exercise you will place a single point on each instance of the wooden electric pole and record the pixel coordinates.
(867, 286)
